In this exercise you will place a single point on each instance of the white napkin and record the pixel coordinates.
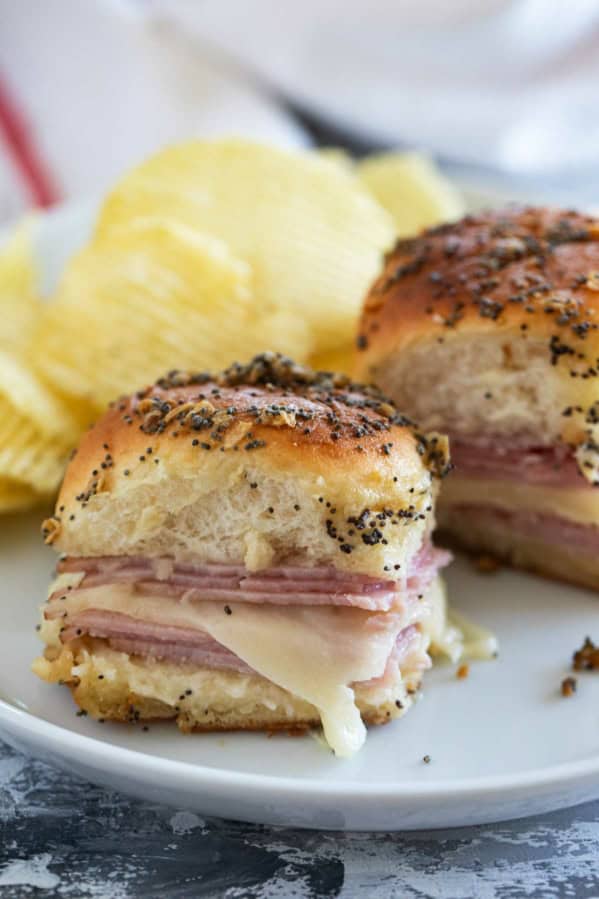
(97, 86)
(505, 83)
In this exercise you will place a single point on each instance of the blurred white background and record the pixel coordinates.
(503, 92)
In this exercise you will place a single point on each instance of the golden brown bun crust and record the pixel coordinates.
(287, 417)
(533, 270)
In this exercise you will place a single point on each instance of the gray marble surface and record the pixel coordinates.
(60, 837)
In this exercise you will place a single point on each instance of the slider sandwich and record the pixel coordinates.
(247, 551)
(488, 330)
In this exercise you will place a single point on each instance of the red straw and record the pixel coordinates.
(31, 167)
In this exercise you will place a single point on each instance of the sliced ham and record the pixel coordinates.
(114, 563)
(217, 657)
(503, 460)
(135, 637)
(145, 638)
(108, 623)
(551, 529)
(374, 602)
(232, 583)
(156, 614)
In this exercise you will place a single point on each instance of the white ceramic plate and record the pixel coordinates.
(503, 742)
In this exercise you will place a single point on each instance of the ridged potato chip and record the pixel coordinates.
(27, 455)
(32, 400)
(146, 297)
(310, 231)
(36, 431)
(412, 190)
(19, 303)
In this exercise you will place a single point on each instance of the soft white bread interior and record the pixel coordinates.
(496, 384)
(265, 464)
(490, 328)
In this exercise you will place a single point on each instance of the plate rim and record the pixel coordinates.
(309, 789)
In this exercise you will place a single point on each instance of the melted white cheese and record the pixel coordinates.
(313, 652)
(453, 635)
(477, 642)
(445, 639)
(578, 504)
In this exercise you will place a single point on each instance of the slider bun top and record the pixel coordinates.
(491, 325)
(264, 463)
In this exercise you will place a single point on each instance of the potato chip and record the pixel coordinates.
(339, 359)
(29, 399)
(27, 455)
(36, 433)
(147, 297)
(412, 189)
(36, 429)
(338, 156)
(310, 231)
(19, 303)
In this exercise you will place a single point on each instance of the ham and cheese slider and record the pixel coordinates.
(488, 330)
(249, 550)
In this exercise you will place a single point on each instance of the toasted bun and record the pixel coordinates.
(118, 687)
(264, 463)
(491, 325)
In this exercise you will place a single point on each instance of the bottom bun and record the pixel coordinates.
(115, 686)
(485, 534)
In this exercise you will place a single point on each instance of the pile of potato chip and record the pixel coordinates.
(37, 429)
(208, 252)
